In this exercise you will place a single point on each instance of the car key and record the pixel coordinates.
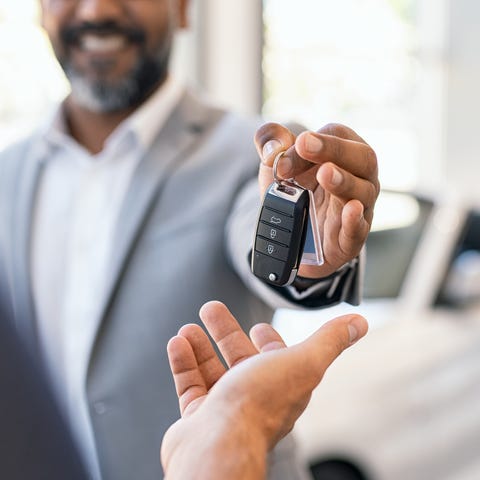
(280, 233)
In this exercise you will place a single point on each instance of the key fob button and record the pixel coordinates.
(271, 232)
(276, 219)
(271, 249)
(271, 269)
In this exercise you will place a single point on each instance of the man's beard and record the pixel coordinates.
(103, 95)
(108, 96)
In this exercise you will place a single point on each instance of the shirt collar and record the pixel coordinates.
(143, 124)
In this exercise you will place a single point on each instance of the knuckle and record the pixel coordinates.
(336, 129)
(371, 157)
(336, 346)
(338, 149)
(371, 165)
(371, 194)
(351, 244)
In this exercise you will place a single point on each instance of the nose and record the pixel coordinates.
(98, 10)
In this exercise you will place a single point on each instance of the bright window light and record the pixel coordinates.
(354, 62)
(30, 78)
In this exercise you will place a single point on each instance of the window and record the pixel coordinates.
(30, 79)
(356, 62)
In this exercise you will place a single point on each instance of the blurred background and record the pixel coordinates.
(404, 74)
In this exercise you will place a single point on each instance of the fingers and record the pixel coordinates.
(333, 142)
(348, 165)
(188, 379)
(266, 338)
(345, 232)
(319, 350)
(210, 366)
(231, 340)
(341, 131)
(354, 230)
(346, 186)
(353, 156)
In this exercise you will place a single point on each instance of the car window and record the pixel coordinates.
(461, 283)
(400, 219)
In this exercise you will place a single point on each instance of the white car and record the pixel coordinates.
(404, 403)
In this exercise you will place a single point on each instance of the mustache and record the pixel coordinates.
(72, 34)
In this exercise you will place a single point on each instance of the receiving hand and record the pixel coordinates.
(341, 169)
(244, 410)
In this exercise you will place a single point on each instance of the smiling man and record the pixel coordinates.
(114, 53)
(134, 204)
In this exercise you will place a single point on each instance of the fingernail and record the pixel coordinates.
(353, 329)
(337, 177)
(312, 143)
(269, 148)
(353, 332)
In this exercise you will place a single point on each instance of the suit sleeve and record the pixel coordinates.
(343, 285)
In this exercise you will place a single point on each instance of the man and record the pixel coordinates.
(231, 419)
(134, 205)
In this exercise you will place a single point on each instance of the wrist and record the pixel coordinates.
(312, 273)
(229, 447)
(243, 453)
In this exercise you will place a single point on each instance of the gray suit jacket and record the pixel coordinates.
(183, 238)
(35, 443)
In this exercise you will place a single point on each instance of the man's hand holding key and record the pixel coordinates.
(341, 170)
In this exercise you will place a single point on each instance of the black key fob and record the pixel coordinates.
(280, 233)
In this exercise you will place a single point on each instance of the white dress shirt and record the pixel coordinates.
(77, 206)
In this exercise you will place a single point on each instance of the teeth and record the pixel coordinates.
(97, 44)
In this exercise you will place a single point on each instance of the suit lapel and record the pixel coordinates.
(171, 146)
(27, 183)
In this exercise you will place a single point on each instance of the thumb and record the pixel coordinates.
(271, 139)
(329, 341)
